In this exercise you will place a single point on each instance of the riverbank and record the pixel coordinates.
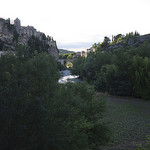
(129, 120)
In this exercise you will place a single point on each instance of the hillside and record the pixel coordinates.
(122, 41)
(119, 67)
(64, 51)
(12, 35)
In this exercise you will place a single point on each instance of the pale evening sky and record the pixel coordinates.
(77, 24)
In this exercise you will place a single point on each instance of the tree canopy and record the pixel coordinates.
(121, 71)
(36, 112)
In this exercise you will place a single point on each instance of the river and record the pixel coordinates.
(66, 76)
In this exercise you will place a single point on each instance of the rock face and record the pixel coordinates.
(6, 35)
(134, 41)
(10, 33)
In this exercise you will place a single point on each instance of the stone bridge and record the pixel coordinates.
(63, 61)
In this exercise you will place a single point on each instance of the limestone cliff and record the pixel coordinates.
(122, 41)
(12, 34)
(132, 41)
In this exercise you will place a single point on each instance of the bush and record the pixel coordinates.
(81, 114)
(38, 113)
(146, 146)
(26, 89)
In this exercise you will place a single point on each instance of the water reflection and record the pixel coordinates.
(68, 77)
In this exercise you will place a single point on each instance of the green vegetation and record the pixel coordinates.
(130, 122)
(60, 66)
(124, 71)
(118, 39)
(35, 44)
(146, 146)
(66, 56)
(63, 51)
(38, 113)
(69, 65)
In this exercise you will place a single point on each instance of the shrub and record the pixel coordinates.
(146, 146)
(38, 113)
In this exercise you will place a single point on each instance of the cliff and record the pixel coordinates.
(119, 41)
(13, 34)
(131, 41)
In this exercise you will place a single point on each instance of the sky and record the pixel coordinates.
(77, 24)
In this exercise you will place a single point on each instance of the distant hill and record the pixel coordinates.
(64, 51)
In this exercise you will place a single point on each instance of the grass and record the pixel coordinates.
(129, 120)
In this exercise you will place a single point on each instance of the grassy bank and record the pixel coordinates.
(129, 120)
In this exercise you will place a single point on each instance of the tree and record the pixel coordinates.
(94, 45)
(69, 56)
(81, 113)
(106, 42)
(139, 73)
(38, 113)
(77, 67)
(117, 37)
(26, 89)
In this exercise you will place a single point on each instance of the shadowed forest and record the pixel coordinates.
(37, 112)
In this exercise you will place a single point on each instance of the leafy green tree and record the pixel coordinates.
(139, 73)
(69, 56)
(106, 42)
(35, 44)
(102, 58)
(106, 77)
(25, 91)
(77, 67)
(38, 113)
(94, 45)
(117, 38)
(89, 68)
(81, 113)
(119, 71)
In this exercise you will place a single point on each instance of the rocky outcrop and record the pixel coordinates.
(12, 34)
(134, 41)
(6, 33)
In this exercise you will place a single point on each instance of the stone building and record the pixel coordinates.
(89, 50)
(27, 31)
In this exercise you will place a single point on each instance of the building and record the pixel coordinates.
(89, 50)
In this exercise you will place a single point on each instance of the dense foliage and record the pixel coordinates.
(38, 113)
(116, 40)
(122, 71)
(67, 56)
(146, 146)
(63, 51)
(36, 44)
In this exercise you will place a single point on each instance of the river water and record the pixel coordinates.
(66, 76)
